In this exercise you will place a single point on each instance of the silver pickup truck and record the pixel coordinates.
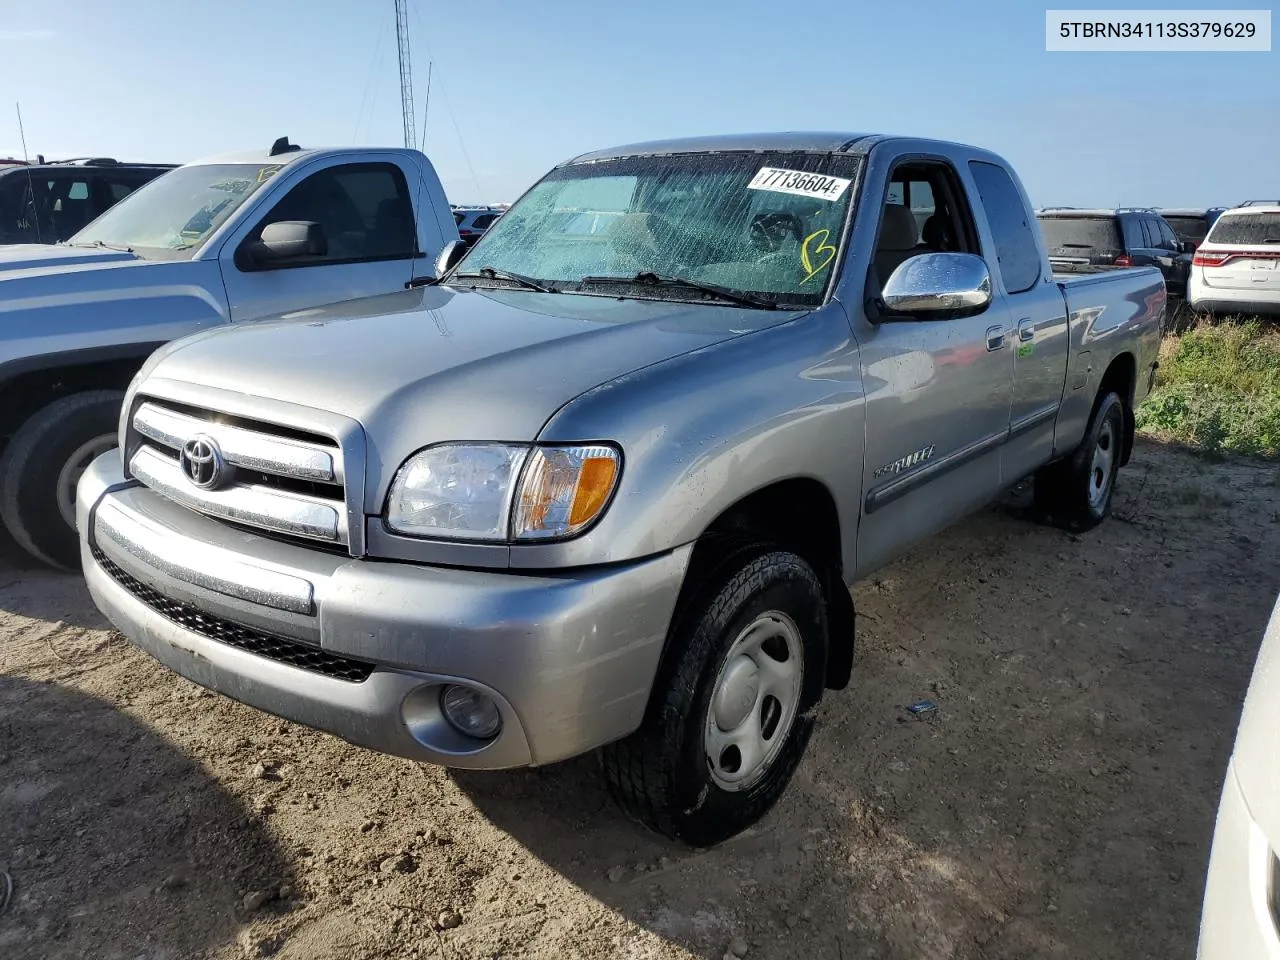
(605, 480)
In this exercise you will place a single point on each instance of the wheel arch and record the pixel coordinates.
(1121, 378)
(31, 384)
(797, 514)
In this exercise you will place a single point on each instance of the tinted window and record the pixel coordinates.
(458, 217)
(1188, 228)
(1167, 239)
(1246, 228)
(1150, 235)
(1016, 249)
(117, 190)
(364, 210)
(483, 221)
(1079, 236)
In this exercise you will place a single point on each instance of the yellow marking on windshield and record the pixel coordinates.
(806, 255)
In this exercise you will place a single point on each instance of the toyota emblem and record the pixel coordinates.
(202, 462)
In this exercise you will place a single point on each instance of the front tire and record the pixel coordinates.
(41, 466)
(1076, 493)
(732, 708)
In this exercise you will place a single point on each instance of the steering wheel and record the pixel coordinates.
(770, 230)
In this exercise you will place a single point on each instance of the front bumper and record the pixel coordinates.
(361, 648)
(1237, 921)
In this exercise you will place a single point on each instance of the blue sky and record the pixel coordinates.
(519, 86)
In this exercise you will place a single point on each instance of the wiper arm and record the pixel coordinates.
(647, 278)
(493, 273)
(101, 245)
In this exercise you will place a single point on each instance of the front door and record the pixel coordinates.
(937, 391)
(366, 214)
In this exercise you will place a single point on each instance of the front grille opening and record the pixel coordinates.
(249, 639)
(259, 426)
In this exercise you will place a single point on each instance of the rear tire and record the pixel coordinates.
(732, 707)
(40, 468)
(1076, 493)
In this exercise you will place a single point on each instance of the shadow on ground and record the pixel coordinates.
(30, 589)
(79, 775)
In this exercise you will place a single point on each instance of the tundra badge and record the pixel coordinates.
(904, 463)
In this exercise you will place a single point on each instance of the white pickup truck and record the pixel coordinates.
(221, 240)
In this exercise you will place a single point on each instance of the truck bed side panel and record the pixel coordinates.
(1113, 316)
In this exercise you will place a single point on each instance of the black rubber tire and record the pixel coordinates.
(659, 774)
(1062, 488)
(31, 464)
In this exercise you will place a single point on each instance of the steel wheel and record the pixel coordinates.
(1102, 470)
(74, 468)
(754, 702)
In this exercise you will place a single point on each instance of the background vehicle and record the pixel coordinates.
(474, 221)
(609, 488)
(1086, 241)
(222, 240)
(48, 203)
(1237, 268)
(1190, 224)
(1240, 920)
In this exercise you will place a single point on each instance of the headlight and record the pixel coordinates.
(494, 491)
(461, 491)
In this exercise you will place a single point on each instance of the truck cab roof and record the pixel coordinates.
(293, 154)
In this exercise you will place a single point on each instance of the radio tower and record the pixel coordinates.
(406, 72)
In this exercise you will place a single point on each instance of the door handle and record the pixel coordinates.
(995, 338)
(1026, 329)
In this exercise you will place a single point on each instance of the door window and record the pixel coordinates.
(924, 212)
(1167, 239)
(1017, 251)
(364, 210)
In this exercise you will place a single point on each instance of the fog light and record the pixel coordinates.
(470, 712)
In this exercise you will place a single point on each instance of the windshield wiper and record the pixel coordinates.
(493, 273)
(101, 245)
(647, 278)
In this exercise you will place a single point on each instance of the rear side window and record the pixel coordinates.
(483, 221)
(1016, 249)
(1247, 228)
(1188, 228)
(1079, 236)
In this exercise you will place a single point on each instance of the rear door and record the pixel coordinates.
(937, 391)
(1248, 245)
(1037, 319)
(366, 213)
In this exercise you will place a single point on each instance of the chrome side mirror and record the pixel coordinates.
(450, 254)
(935, 286)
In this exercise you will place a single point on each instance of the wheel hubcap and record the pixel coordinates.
(74, 468)
(753, 705)
(1104, 453)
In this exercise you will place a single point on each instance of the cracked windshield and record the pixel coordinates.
(764, 227)
(172, 216)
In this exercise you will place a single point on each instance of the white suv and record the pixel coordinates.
(1237, 268)
(1241, 913)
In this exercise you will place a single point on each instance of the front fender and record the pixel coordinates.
(114, 312)
(701, 431)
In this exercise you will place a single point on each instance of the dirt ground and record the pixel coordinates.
(1059, 803)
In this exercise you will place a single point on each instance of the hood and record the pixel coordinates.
(47, 258)
(433, 365)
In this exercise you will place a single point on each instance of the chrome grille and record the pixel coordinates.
(274, 478)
